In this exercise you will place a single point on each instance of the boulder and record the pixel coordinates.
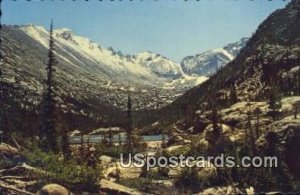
(288, 103)
(53, 189)
(104, 160)
(227, 190)
(7, 149)
(237, 113)
(114, 171)
(225, 128)
(209, 132)
(176, 150)
(284, 138)
(250, 191)
(74, 133)
(175, 139)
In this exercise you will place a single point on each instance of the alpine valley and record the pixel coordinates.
(93, 82)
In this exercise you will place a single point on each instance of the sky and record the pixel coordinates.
(173, 28)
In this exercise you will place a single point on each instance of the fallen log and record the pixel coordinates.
(20, 183)
(24, 178)
(21, 169)
(14, 189)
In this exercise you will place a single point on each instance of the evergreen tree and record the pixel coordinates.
(274, 101)
(295, 112)
(215, 119)
(1, 82)
(120, 141)
(110, 137)
(250, 136)
(129, 122)
(82, 152)
(48, 135)
(233, 95)
(65, 145)
(163, 141)
(257, 112)
(298, 81)
(3, 95)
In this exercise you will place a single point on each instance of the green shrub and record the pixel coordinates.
(75, 176)
(190, 178)
(4, 164)
(68, 173)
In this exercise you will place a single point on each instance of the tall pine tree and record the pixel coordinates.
(274, 101)
(48, 134)
(129, 122)
(3, 97)
(65, 145)
(233, 95)
(298, 80)
(1, 84)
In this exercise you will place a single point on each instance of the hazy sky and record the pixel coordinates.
(173, 28)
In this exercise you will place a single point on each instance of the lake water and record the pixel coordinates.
(99, 138)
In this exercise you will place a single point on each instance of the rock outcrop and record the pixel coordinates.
(54, 189)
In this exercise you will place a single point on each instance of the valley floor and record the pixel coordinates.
(25, 169)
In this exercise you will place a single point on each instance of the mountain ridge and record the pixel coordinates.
(207, 63)
(270, 58)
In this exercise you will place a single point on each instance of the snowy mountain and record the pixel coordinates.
(91, 80)
(158, 65)
(80, 51)
(81, 59)
(208, 62)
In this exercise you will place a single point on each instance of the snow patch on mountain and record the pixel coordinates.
(146, 65)
(159, 65)
(207, 63)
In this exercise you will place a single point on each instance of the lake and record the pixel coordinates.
(99, 138)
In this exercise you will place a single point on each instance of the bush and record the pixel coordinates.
(74, 176)
(67, 173)
(4, 164)
(191, 179)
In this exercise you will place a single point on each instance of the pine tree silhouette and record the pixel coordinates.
(274, 101)
(233, 95)
(65, 144)
(1, 83)
(257, 112)
(298, 80)
(48, 134)
(3, 96)
(129, 122)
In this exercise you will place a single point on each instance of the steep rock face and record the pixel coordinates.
(208, 62)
